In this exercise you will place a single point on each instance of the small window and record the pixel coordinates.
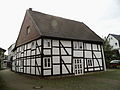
(89, 61)
(47, 62)
(78, 45)
(33, 44)
(28, 30)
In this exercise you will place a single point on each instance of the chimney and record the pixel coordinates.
(30, 9)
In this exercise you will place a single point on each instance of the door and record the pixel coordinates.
(78, 66)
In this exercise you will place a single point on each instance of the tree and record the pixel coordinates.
(1, 57)
(2, 51)
(110, 53)
(106, 45)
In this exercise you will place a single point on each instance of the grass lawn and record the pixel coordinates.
(109, 80)
(3, 85)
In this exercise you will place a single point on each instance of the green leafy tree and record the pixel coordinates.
(1, 57)
(110, 53)
(107, 46)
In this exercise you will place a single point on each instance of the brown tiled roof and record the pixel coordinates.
(53, 26)
(44, 25)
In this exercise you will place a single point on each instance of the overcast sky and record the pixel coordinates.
(102, 16)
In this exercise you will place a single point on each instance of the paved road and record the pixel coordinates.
(21, 82)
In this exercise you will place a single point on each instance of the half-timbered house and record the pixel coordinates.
(48, 45)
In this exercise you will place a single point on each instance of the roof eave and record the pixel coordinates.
(72, 39)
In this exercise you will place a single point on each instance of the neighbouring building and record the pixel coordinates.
(48, 45)
(10, 54)
(114, 41)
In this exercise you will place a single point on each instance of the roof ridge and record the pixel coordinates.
(114, 34)
(56, 16)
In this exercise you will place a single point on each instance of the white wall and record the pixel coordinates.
(56, 56)
(20, 52)
(89, 49)
(113, 42)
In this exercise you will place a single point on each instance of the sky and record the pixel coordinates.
(102, 16)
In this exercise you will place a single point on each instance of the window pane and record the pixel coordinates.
(45, 61)
(90, 62)
(75, 60)
(80, 60)
(85, 47)
(80, 45)
(75, 45)
(75, 66)
(75, 71)
(21, 63)
(48, 62)
(80, 66)
(48, 44)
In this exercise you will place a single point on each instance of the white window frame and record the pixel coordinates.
(46, 63)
